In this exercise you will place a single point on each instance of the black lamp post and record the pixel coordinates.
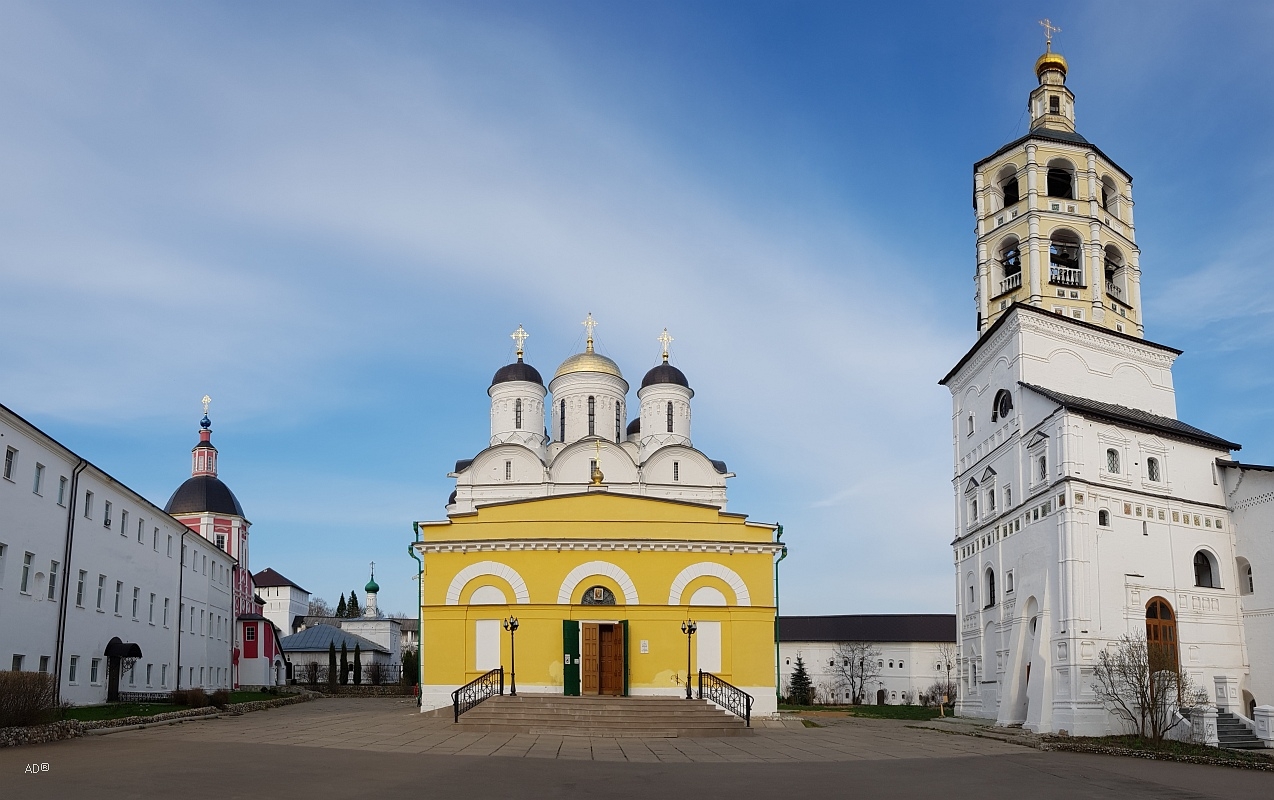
(688, 628)
(511, 625)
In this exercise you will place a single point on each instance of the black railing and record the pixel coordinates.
(728, 696)
(477, 690)
(314, 673)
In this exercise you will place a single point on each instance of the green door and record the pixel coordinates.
(570, 658)
(624, 624)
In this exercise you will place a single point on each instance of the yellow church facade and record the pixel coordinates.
(600, 583)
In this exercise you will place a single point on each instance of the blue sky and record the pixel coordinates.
(330, 216)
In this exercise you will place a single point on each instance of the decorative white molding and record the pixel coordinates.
(709, 569)
(576, 576)
(482, 569)
(599, 545)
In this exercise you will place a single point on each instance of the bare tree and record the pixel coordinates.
(320, 607)
(856, 664)
(1142, 684)
(947, 652)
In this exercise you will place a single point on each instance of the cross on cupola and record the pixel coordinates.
(520, 336)
(589, 324)
(665, 340)
(1049, 30)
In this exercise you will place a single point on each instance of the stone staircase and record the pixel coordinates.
(655, 717)
(1233, 734)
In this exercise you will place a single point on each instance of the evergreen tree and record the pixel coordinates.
(331, 664)
(344, 664)
(340, 607)
(410, 673)
(800, 690)
(358, 664)
(351, 609)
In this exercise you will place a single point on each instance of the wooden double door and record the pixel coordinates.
(602, 667)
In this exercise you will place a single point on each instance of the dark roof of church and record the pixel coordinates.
(869, 628)
(203, 493)
(463, 464)
(1133, 417)
(665, 373)
(1227, 463)
(517, 371)
(268, 577)
(1053, 135)
(634, 426)
(719, 466)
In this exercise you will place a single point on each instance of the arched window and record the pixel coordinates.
(1008, 183)
(899, 665)
(1161, 635)
(517, 414)
(1003, 405)
(561, 425)
(1103, 518)
(1251, 587)
(591, 416)
(1108, 194)
(1112, 461)
(1152, 470)
(598, 596)
(619, 424)
(1061, 179)
(670, 416)
(990, 588)
(1063, 259)
(1042, 466)
(1204, 572)
(1010, 258)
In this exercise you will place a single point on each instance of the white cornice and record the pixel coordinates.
(596, 545)
(1096, 340)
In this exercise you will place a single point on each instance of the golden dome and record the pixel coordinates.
(588, 361)
(1050, 60)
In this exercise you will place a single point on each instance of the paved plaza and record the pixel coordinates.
(349, 747)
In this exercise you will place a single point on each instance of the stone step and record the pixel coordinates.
(662, 717)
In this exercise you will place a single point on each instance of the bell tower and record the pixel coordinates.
(1054, 218)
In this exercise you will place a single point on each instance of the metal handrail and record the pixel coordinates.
(477, 690)
(726, 695)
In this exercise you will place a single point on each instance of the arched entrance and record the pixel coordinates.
(1161, 635)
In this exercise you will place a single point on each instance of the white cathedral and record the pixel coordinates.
(651, 456)
(1085, 509)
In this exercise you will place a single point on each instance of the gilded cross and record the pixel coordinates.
(1049, 30)
(599, 447)
(520, 336)
(589, 324)
(665, 340)
(206, 401)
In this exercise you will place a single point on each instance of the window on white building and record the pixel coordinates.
(170, 545)
(1103, 518)
(79, 589)
(1112, 461)
(1042, 465)
(10, 458)
(73, 669)
(95, 671)
(38, 483)
(53, 579)
(17, 662)
(62, 491)
(27, 559)
(1205, 571)
(137, 596)
(88, 505)
(166, 612)
(151, 618)
(106, 518)
(119, 594)
(101, 587)
(163, 675)
(1153, 471)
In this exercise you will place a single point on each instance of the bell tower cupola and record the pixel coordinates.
(1054, 218)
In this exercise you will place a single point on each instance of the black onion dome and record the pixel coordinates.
(203, 494)
(517, 371)
(665, 373)
(634, 426)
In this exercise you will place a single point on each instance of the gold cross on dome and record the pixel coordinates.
(520, 336)
(1049, 30)
(206, 401)
(589, 324)
(665, 340)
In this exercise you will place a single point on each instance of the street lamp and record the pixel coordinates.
(511, 625)
(688, 628)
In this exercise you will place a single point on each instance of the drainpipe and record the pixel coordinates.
(778, 681)
(420, 633)
(181, 593)
(60, 643)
